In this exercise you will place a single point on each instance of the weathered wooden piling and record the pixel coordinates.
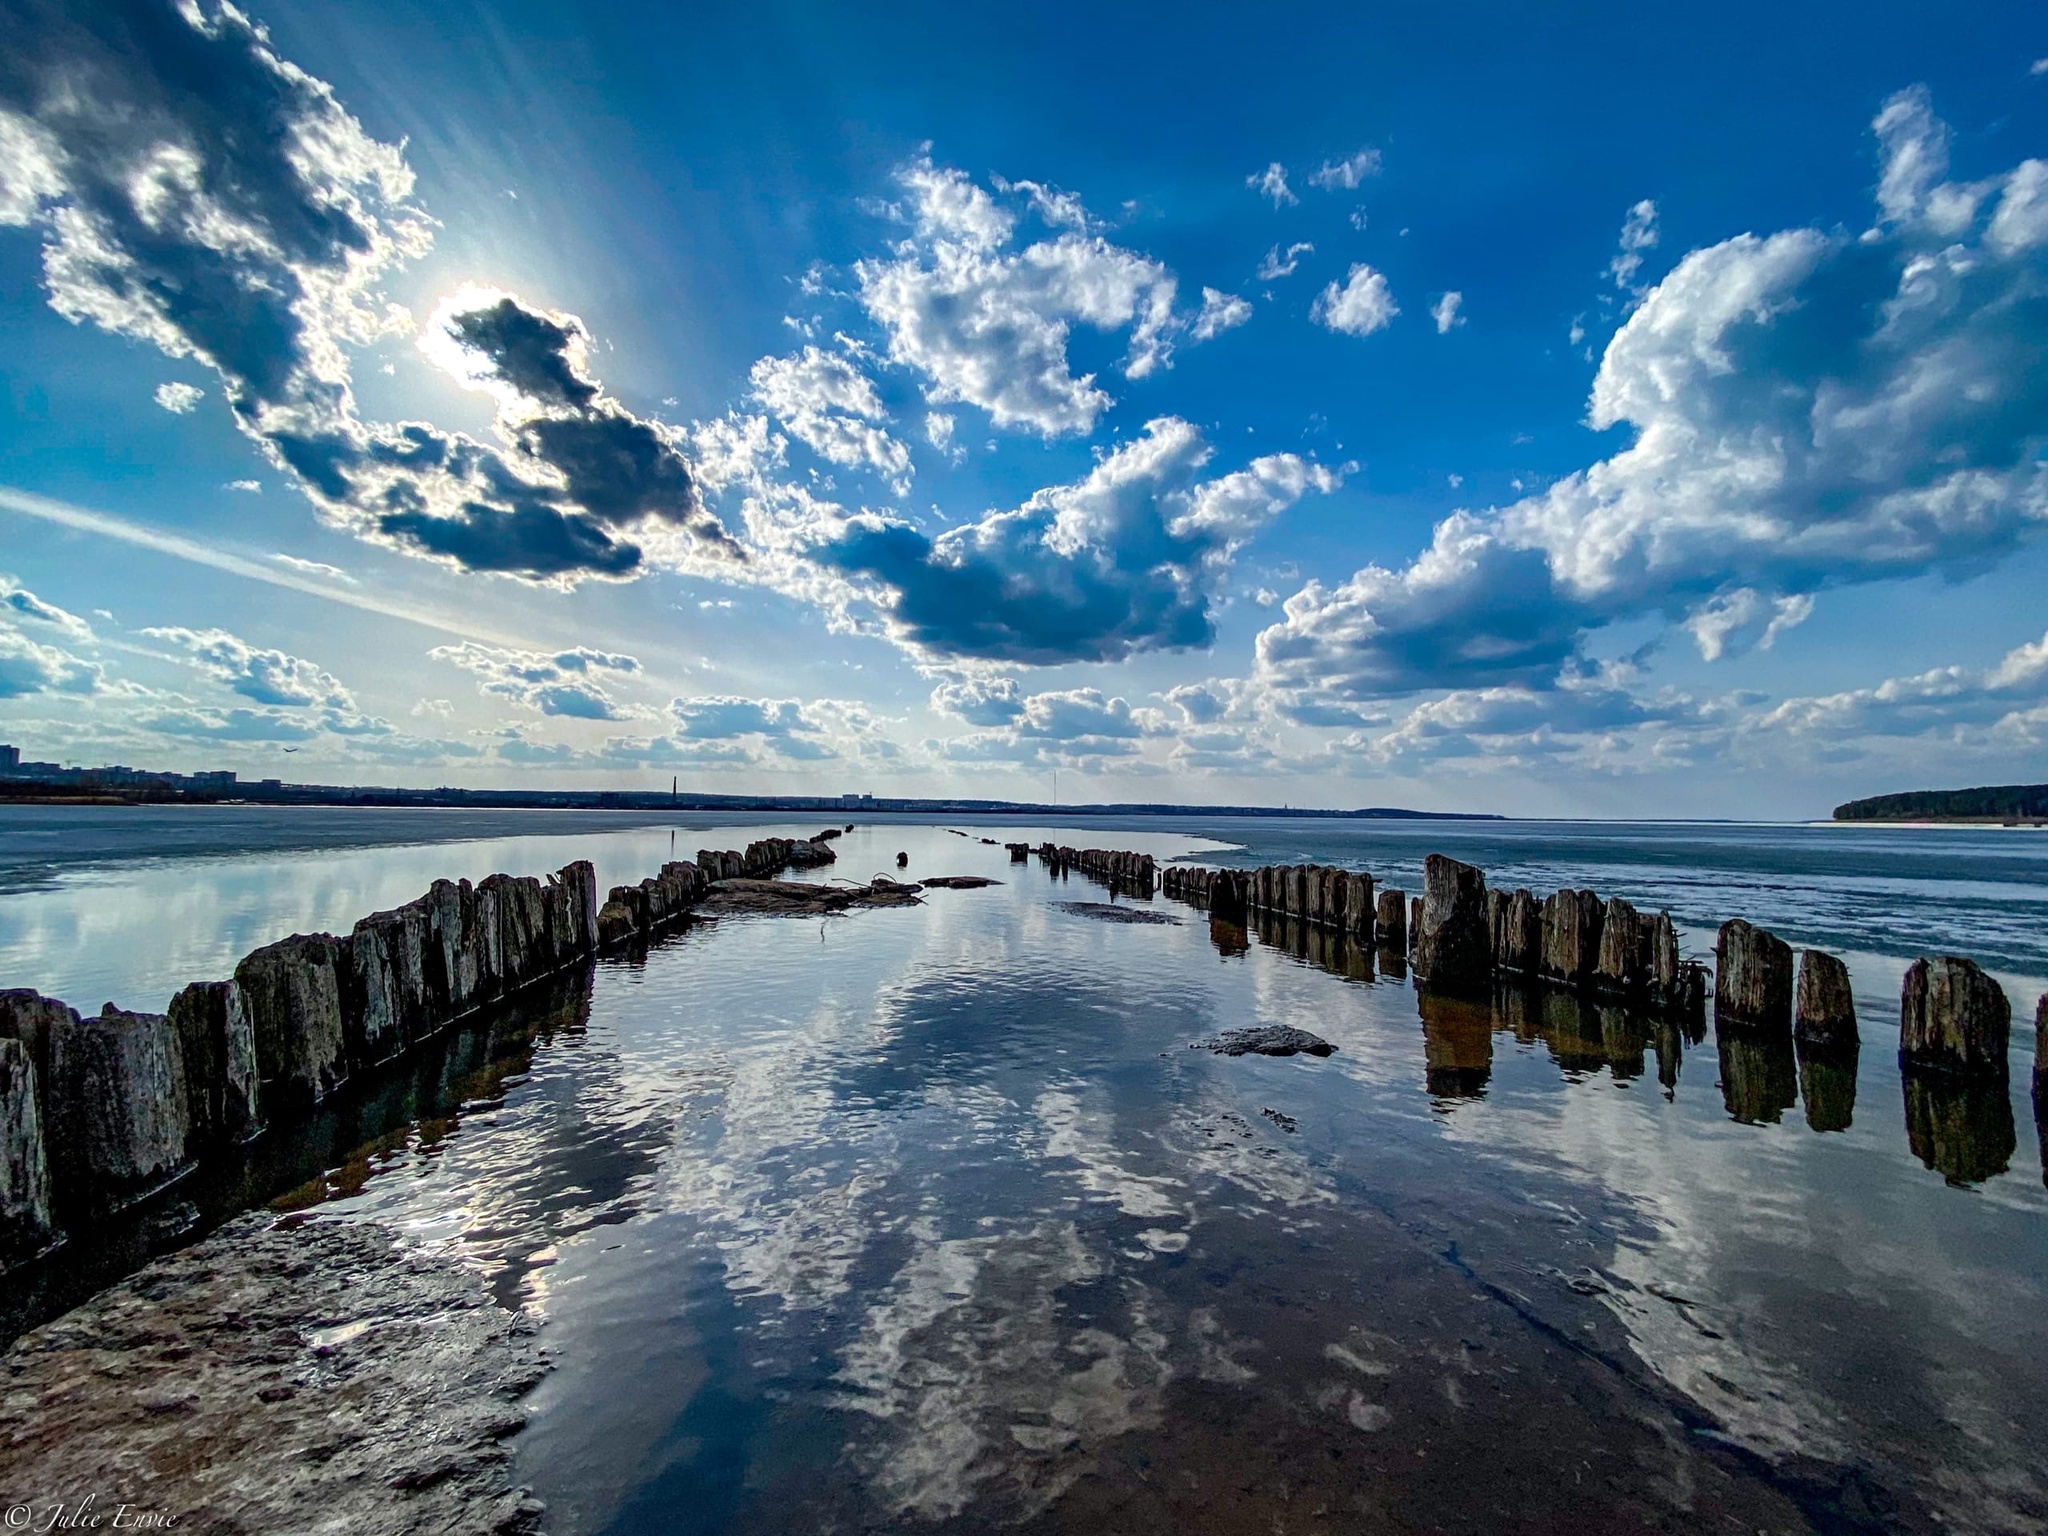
(1621, 967)
(1954, 1018)
(1571, 937)
(26, 1218)
(1518, 941)
(1453, 945)
(1824, 1014)
(1391, 921)
(1752, 976)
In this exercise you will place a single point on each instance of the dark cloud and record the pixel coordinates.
(1128, 559)
(531, 352)
(200, 193)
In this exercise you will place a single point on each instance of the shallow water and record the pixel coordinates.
(930, 1219)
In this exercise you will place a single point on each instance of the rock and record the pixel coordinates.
(1107, 912)
(219, 1047)
(903, 861)
(1453, 944)
(795, 898)
(960, 882)
(1572, 921)
(280, 1376)
(118, 1108)
(1824, 1015)
(1622, 968)
(1752, 976)
(1391, 920)
(1953, 1016)
(290, 992)
(1960, 1125)
(26, 1223)
(1265, 1040)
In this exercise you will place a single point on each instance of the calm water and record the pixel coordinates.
(929, 1219)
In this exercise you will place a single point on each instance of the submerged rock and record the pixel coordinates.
(796, 898)
(279, 1376)
(960, 882)
(1265, 1040)
(1952, 1015)
(1109, 912)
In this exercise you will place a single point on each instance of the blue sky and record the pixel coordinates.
(1609, 415)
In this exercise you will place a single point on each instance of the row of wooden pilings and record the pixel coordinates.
(100, 1111)
(1461, 935)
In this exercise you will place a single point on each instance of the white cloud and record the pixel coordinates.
(1220, 312)
(437, 709)
(564, 683)
(18, 603)
(1346, 174)
(1364, 303)
(315, 568)
(269, 677)
(986, 323)
(28, 666)
(1638, 234)
(1274, 265)
(1808, 409)
(1445, 311)
(248, 487)
(179, 399)
(1126, 559)
(1271, 183)
(831, 407)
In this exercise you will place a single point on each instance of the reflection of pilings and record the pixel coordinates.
(99, 1113)
(1623, 1038)
(1230, 938)
(1959, 1126)
(1457, 1044)
(1572, 1031)
(1759, 1077)
(1670, 1055)
(1827, 1084)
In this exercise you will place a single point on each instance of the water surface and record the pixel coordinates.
(929, 1219)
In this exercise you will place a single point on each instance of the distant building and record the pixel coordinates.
(10, 759)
